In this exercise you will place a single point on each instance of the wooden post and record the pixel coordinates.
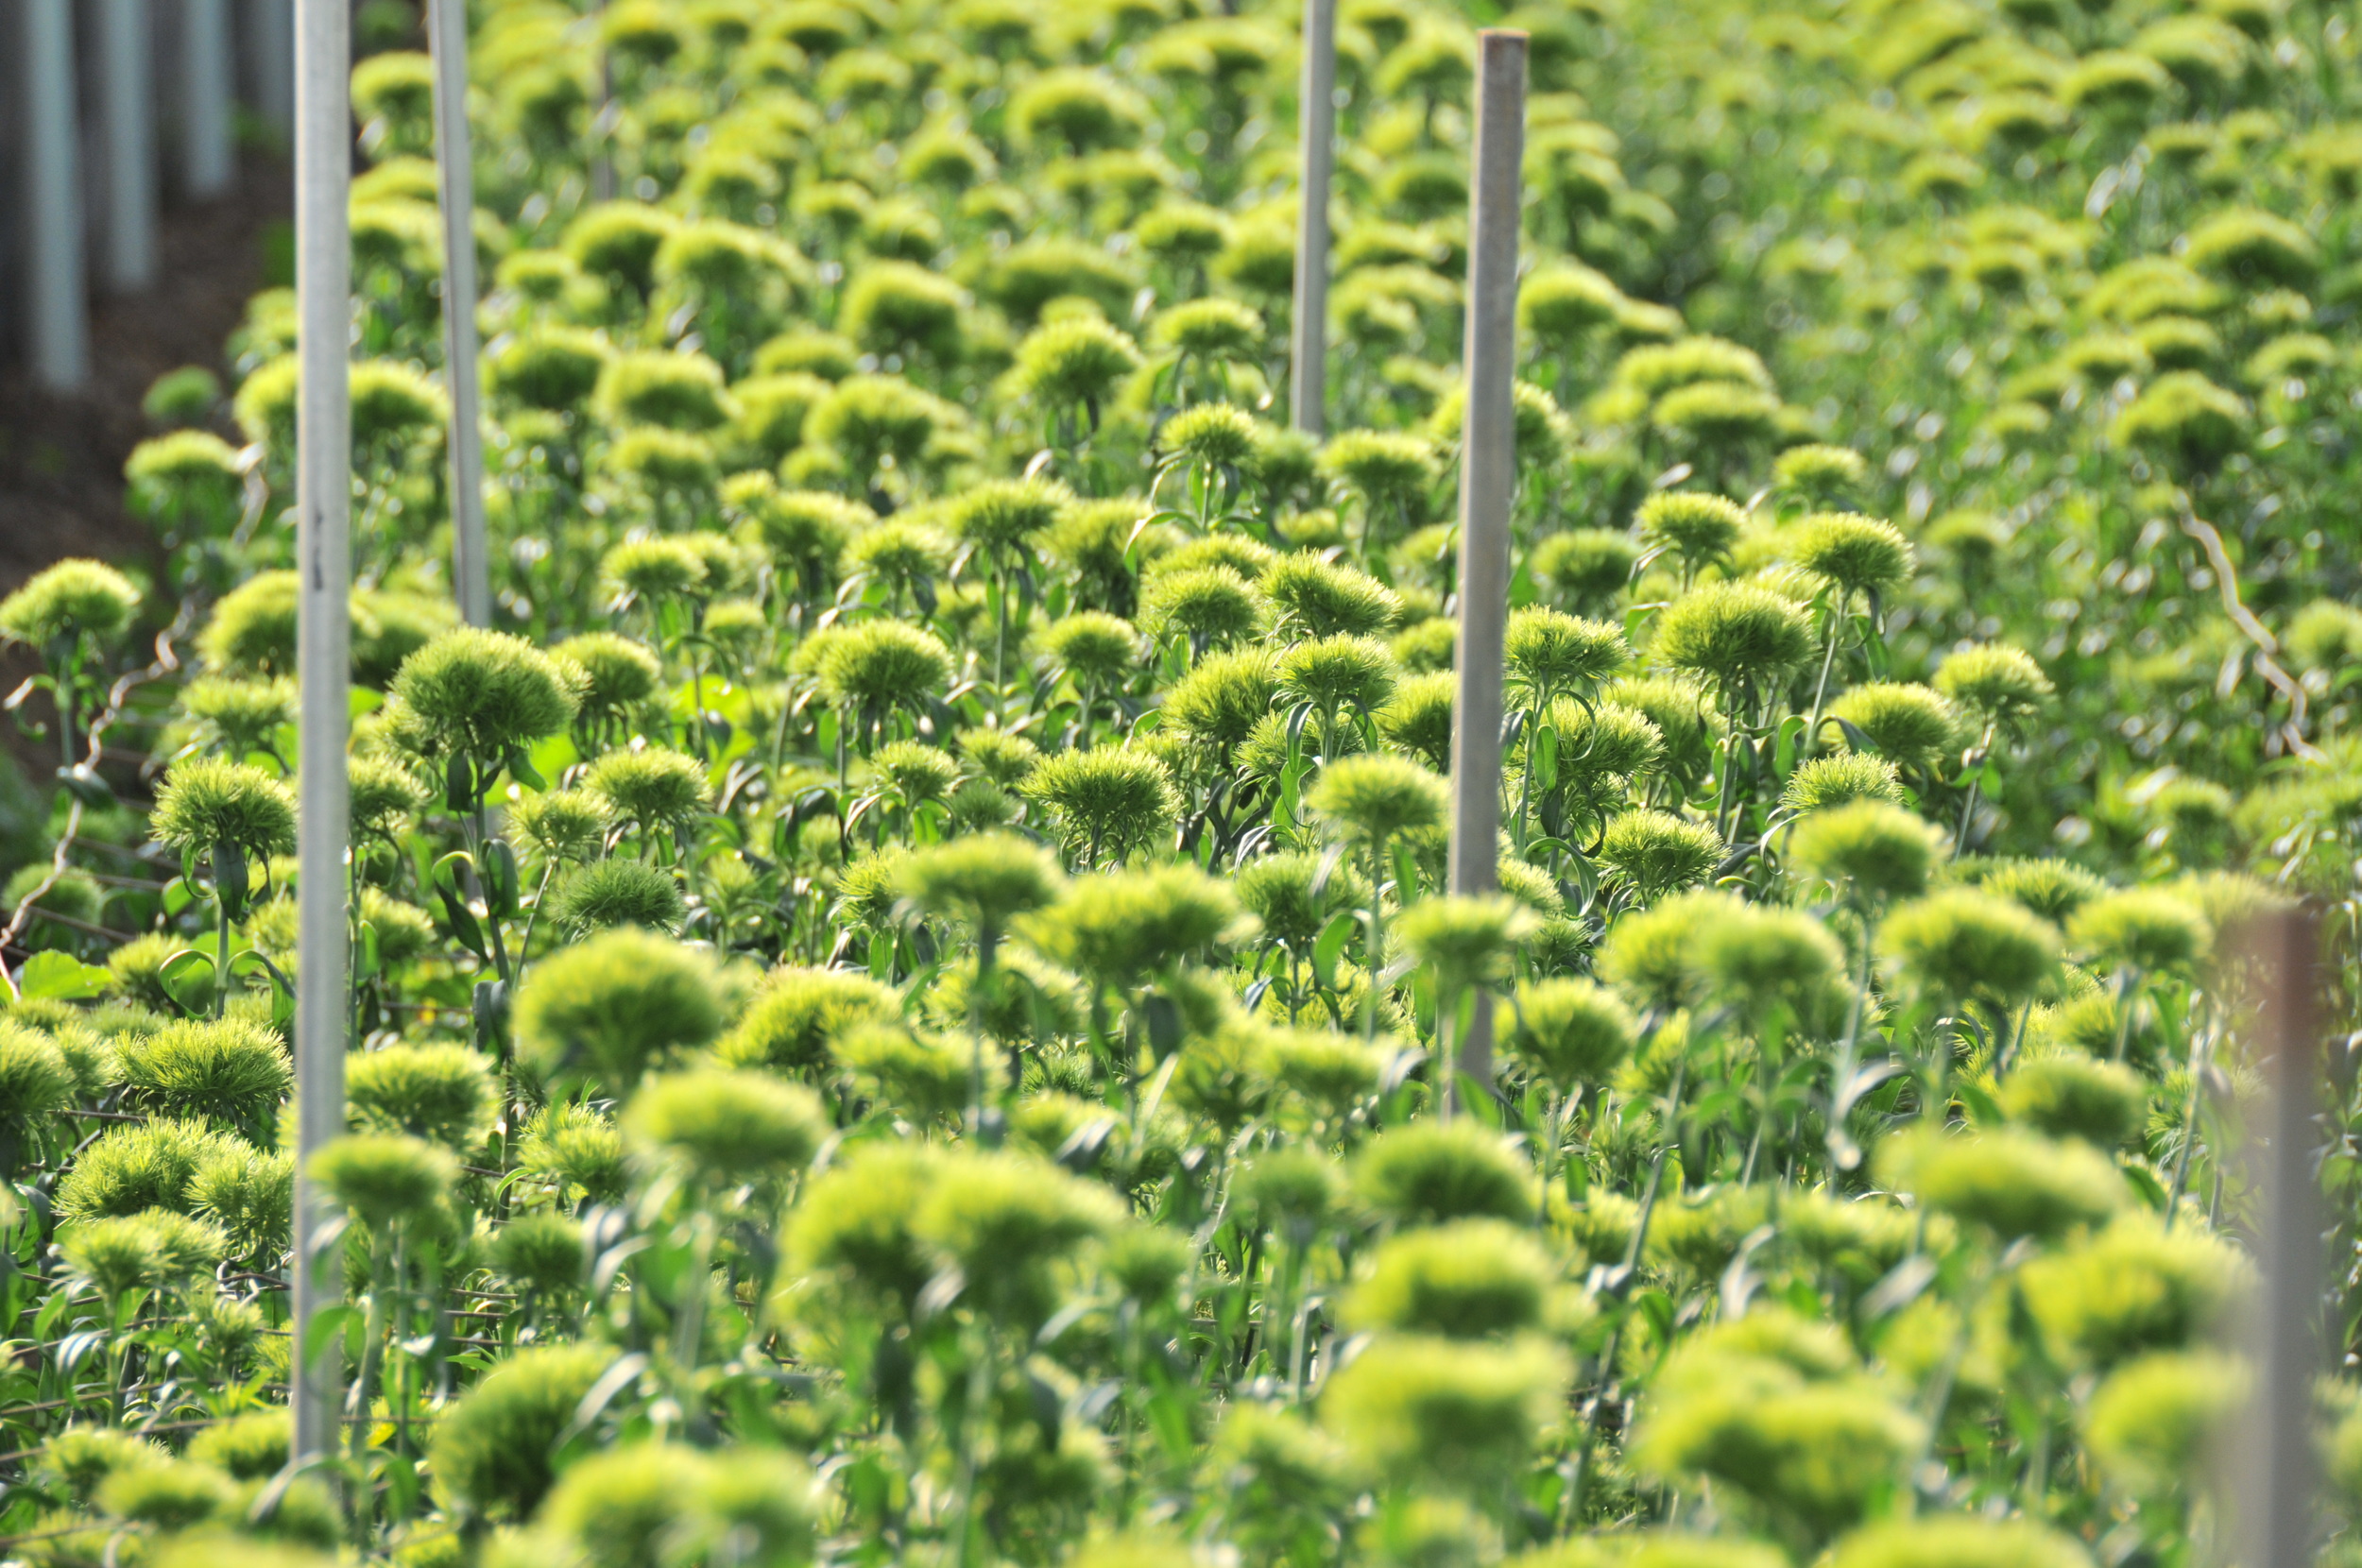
(471, 578)
(59, 332)
(1488, 470)
(1316, 121)
(127, 89)
(206, 159)
(2275, 1494)
(323, 148)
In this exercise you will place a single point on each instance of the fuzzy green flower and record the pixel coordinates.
(1657, 853)
(209, 803)
(71, 599)
(1965, 943)
(728, 1127)
(611, 1008)
(1877, 849)
(384, 1178)
(612, 893)
(1114, 800)
(1734, 633)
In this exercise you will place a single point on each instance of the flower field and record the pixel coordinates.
(906, 1004)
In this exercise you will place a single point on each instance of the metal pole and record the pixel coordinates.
(271, 25)
(59, 330)
(206, 161)
(1316, 117)
(2276, 1494)
(1488, 470)
(447, 35)
(323, 146)
(126, 86)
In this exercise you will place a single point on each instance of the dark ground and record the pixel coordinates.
(62, 456)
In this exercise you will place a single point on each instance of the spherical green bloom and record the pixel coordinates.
(1821, 475)
(2052, 889)
(613, 895)
(264, 406)
(549, 367)
(112, 1255)
(1695, 526)
(1475, 1279)
(1281, 891)
(209, 801)
(491, 1453)
(1878, 850)
(652, 568)
(1858, 555)
(36, 1080)
(1220, 702)
(883, 664)
(1115, 798)
(561, 825)
(573, 1149)
(76, 1461)
(1081, 108)
(1095, 648)
(393, 404)
(925, 1078)
(1607, 740)
(613, 1006)
(1648, 952)
(188, 467)
(2252, 246)
(1260, 257)
(1004, 1218)
(1212, 605)
(384, 1177)
(1570, 1031)
(1442, 1413)
(997, 755)
(1377, 798)
(251, 1447)
(1432, 1172)
(168, 1494)
(1587, 567)
(1816, 1455)
(1821, 784)
(1210, 328)
(1995, 682)
(986, 880)
(914, 771)
(857, 1222)
(226, 1071)
(622, 1508)
(1758, 955)
(1734, 632)
(1077, 360)
(1549, 652)
(728, 1127)
(2074, 1096)
(2185, 419)
(889, 305)
(1966, 944)
(1212, 435)
(1388, 468)
(483, 694)
(1031, 273)
(1337, 673)
(440, 1093)
(2146, 929)
(70, 599)
(1117, 928)
(182, 397)
(2014, 1183)
(245, 715)
(1418, 719)
(1913, 725)
(756, 1505)
(800, 1014)
(773, 410)
(869, 418)
(664, 388)
(948, 156)
(249, 1194)
(1562, 302)
(2152, 1422)
(654, 789)
(139, 1167)
(617, 672)
(1656, 852)
(540, 1251)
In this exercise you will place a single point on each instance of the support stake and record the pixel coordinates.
(323, 147)
(59, 331)
(1488, 472)
(126, 87)
(1316, 117)
(471, 579)
(206, 160)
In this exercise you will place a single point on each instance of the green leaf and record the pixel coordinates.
(1331, 946)
(60, 977)
(169, 973)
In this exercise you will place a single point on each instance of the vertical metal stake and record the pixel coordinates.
(206, 161)
(471, 578)
(126, 86)
(2275, 1496)
(1316, 117)
(1488, 470)
(59, 332)
(271, 45)
(323, 146)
